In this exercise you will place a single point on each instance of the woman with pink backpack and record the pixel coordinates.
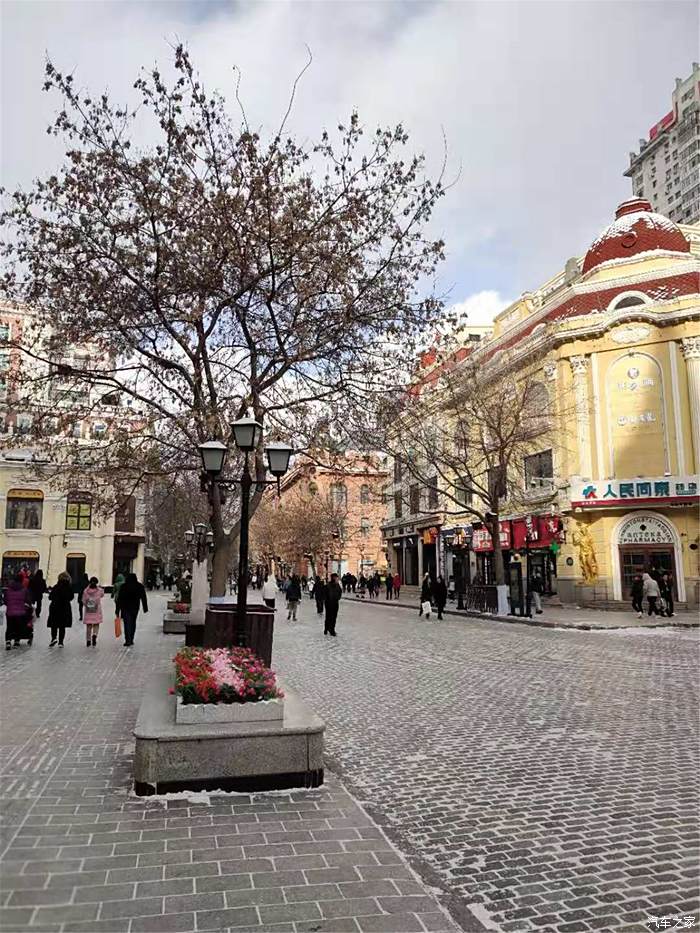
(92, 610)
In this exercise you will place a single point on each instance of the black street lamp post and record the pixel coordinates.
(247, 433)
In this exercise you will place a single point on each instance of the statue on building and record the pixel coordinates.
(586, 553)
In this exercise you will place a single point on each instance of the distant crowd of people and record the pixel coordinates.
(23, 598)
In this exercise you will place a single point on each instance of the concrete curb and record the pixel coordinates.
(523, 620)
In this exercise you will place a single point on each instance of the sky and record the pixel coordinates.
(539, 102)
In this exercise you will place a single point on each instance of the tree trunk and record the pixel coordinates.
(498, 568)
(220, 565)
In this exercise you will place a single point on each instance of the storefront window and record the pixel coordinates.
(24, 509)
(79, 512)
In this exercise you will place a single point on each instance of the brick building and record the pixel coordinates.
(348, 493)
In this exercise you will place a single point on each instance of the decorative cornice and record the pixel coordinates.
(690, 348)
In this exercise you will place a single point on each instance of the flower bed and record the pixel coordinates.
(223, 675)
(181, 608)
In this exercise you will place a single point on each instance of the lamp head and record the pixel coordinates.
(189, 536)
(246, 433)
(278, 455)
(200, 529)
(213, 454)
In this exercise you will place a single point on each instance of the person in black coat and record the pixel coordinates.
(666, 588)
(637, 594)
(426, 593)
(37, 587)
(333, 596)
(440, 595)
(60, 610)
(82, 584)
(319, 594)
(132, 595)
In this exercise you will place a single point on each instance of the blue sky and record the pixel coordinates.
(540, 102)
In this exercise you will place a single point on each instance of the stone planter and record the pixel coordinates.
(261, 711)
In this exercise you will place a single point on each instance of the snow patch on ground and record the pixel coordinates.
(483, 916)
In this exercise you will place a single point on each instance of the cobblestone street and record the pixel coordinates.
(535, 780)
(547, 779)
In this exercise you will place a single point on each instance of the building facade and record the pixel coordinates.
(43, 524)
(347, 493)
(666, 169)
(615, 338)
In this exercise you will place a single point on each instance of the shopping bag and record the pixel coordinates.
(117, 627)
(426, 607)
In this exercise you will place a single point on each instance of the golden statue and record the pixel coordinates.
(586, 554)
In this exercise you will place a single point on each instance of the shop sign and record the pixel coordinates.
(634, 491)
(25, 494)
(481, 539)
(537, 531)
(27, 555)
(645, 529)
(430, 535)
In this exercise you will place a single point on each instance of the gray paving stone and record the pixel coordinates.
(223, 919)
(223, 883)
(350, 907)
(169, 923)
(105, 892)
(183, 903)
(290, 912)
(390, 923)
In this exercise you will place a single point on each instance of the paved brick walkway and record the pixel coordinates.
(81, 854)
(555, 616)
(543, 779)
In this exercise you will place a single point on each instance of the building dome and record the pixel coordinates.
(636, 229)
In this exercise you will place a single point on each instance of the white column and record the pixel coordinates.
(690, 347)
(200, 589)
(579, 369)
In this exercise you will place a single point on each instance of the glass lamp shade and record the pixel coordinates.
(210, 538)
(246, 433)
(278, 455)
(213, 454)
(189, 536)
(200, 529)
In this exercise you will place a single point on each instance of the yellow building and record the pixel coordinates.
(619, 333)
(43, 525)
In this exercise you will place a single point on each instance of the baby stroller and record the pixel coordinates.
(18, 630)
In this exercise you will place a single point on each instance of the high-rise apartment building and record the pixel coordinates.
(666, 170)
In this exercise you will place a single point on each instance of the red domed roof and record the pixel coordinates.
(636, 229)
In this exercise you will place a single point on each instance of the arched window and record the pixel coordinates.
(364, 494)
(339, 494)
(628, 300)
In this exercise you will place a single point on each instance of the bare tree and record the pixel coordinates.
(211, 273)
(463, 439)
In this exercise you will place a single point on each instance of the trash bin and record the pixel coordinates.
(220, 628)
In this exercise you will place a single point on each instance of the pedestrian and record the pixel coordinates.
(269, 591)
(24, 574)
(319, 594)
(132, 596)
(18, 612)
(37, 587)
(440, 595)
(92, 610)
(333, 596)
(82, 583)
(60, 609)
(304, 582)
(362, 583)
(425, 597)
(389, 582)
(293, 597)
(396, 584)
(638, 595)
(118, 583)
(666, 587)
(652, 593)
(536, 590)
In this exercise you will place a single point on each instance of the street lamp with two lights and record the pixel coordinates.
(247, 433)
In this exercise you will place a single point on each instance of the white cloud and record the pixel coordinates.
(540, 102)
(480, 308)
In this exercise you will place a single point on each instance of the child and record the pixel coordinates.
(92, 610)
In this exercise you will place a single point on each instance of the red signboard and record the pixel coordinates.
(481, 540)
(663, 124)
(537, 530)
